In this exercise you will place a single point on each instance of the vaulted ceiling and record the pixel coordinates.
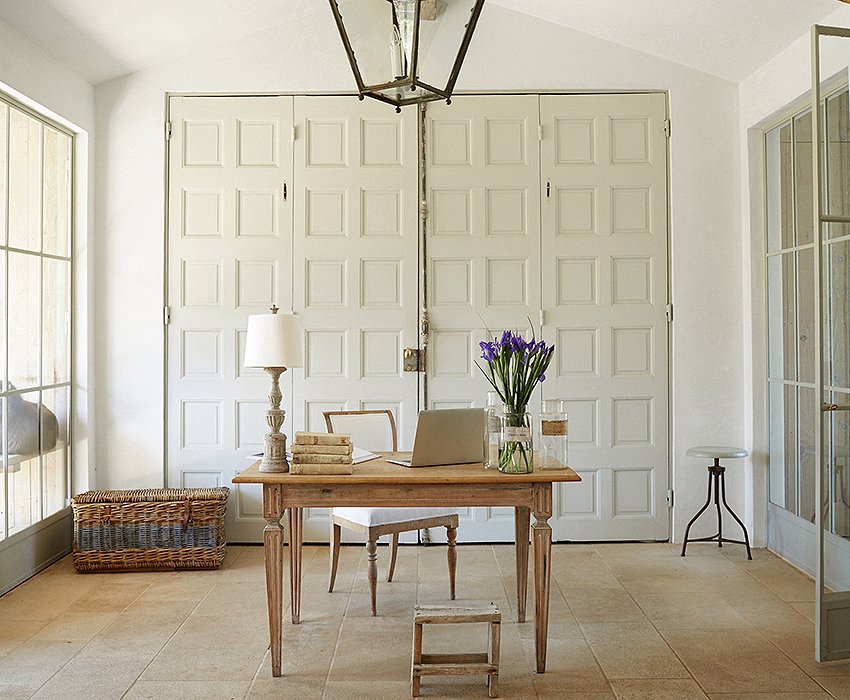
(104, 39)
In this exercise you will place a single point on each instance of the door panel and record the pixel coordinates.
(229, 240)
(355, 270)
(483, 251)
(604, 280)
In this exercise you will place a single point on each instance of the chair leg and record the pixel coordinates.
(393, 554)
(451, 535)
(732, 513)
(372, 555)
(335, 537)
(694, 519)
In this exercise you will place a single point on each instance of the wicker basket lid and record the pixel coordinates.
(152, 495)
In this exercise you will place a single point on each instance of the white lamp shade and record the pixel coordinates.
(274, 340)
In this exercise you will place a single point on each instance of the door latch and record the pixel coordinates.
(414, 360)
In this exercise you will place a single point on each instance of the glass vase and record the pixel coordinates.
(516, 452)
(552, 444)
(492, 431)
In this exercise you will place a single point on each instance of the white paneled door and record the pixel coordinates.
(229, 254)
(604, 281)
(483, 251)
(548, 209)
(355, 264)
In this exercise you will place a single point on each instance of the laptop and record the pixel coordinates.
(447, 436)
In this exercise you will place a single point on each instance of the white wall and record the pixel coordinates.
(768, 91)
(307, 56)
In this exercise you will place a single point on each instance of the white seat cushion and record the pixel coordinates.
(371, 517)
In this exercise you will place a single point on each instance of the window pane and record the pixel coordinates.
(782, 315)
(803, 178)
(3, 462)
(24, 319)
(840, 461)
(24, 181)
(806, 314)
(807, 401)
(780, 201)
(837, 316)
(4, 119)
(778, 453)
(791, 448)
(57, 192)
(54, 448)
(23, 447)
(2, 320)
(837, 183)
(56, 312)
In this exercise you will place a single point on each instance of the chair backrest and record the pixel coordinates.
(369, 430)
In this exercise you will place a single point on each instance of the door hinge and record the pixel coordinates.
(669, 313)
(423, 210)
(283, 191)
(669, 498)
(548, 188)
(294, 133)
(539, 132)
(168, 131)
(166, 315)
(667, 128)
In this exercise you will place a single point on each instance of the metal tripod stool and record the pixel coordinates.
(717, 478)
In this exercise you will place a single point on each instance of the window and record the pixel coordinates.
(790, 295)
(35, 316)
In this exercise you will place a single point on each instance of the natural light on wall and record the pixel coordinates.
(35, 316)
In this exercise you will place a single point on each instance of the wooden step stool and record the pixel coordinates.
(456, 664)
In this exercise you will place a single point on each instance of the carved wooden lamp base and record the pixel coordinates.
(274, 456)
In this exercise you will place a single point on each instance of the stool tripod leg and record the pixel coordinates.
(737, 520)
(694, 519)
(717, 478)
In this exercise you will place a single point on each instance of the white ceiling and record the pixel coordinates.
(104, 39)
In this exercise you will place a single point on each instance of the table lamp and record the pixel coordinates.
(274, 343)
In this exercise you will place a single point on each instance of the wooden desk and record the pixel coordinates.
(380, 484)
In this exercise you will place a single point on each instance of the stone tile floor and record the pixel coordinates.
(627, 621)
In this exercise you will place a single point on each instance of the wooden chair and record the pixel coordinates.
(376, 431)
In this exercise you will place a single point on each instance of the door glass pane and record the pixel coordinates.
(54, 447)
(57, 192)
(24, 319)
(791, 448)
(837, 182)
(778, 448)
(806, 410)
(837, 307)
(780, 201)
(4, 122)
(839, 452)
(56, 320)
(803, 178)
(24, 181)
(23, 446)
(806, 315)
(782, 315)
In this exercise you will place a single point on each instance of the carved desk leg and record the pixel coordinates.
(542, 544)
(522, 517)
(295, 540)
(273, 554)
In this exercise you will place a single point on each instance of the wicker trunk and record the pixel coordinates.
(149, 529)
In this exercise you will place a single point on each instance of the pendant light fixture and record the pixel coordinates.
(383, 40)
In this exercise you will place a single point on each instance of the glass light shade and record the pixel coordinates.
(274, 340)
(406, 51)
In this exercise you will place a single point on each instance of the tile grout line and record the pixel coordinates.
(342, 621)
(654, 627)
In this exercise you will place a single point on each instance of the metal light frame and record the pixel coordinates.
(420, 91)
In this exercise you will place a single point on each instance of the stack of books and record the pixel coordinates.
(321, 453)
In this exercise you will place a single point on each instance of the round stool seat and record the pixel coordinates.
(716, 452)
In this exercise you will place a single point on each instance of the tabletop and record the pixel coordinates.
(379, 471)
